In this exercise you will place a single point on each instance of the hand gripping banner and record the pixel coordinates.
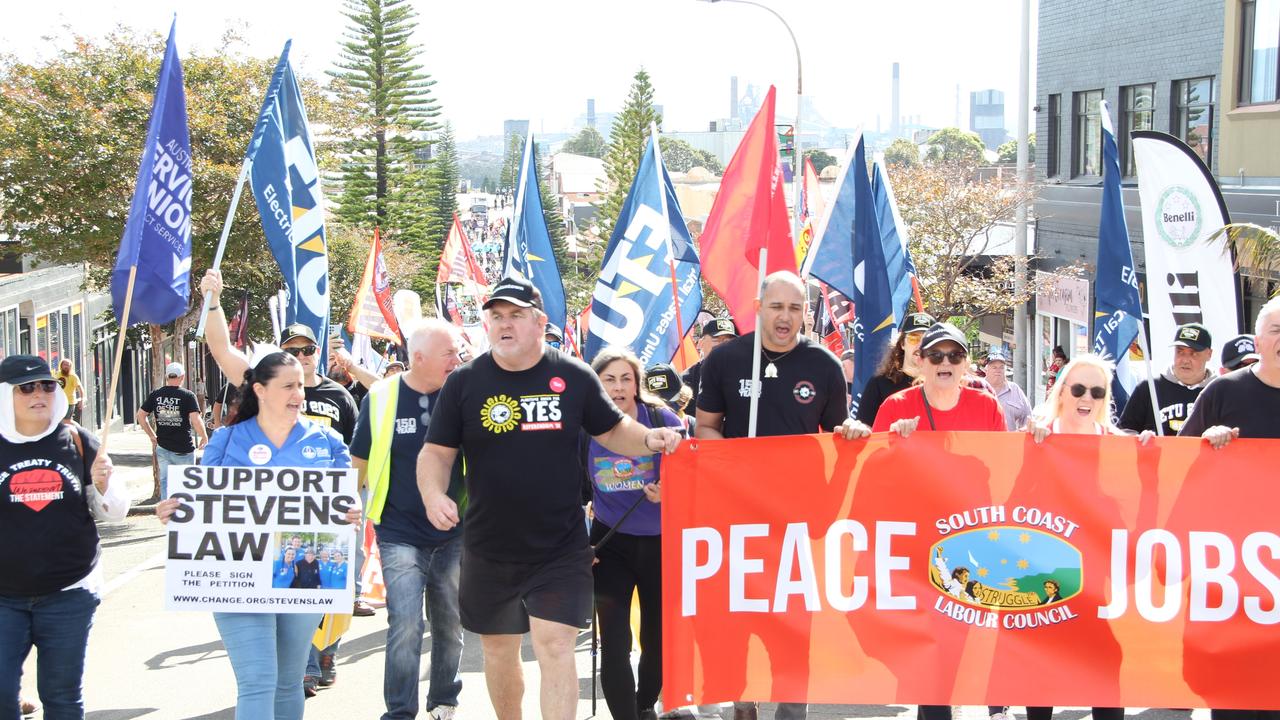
(971, 568)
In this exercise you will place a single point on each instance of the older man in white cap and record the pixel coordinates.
(176, 414)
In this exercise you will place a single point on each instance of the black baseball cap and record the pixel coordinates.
(663, 380)
(917, 322)
(19, 369)
(1238, 351)
(719, 327)
(940, 333)
(297, 330)
(1194, 336)
(554, 331)
(515, 290)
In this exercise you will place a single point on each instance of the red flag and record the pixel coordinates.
(372, 313)
(238, 328)
(458, 263)
(750, 213)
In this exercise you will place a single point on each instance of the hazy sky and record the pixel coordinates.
(541, 60)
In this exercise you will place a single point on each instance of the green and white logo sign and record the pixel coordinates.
(1178, 217)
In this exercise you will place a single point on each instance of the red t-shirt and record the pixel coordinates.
(977, 410)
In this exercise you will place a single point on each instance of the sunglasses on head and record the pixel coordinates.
(1096, 392)
(955, 357)
(307, 350)
(41, 385)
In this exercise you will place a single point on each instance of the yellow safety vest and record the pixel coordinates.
(383, 397)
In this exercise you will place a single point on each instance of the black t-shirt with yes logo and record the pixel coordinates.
(518, 432)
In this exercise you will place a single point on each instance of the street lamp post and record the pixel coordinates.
(798, 157)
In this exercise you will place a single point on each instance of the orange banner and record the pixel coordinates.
(971, 569)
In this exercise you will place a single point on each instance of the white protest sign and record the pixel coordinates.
(261, 539)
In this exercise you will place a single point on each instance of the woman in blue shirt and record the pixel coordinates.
(282, 576)
(268, 651)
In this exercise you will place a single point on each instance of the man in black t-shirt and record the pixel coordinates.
(515, 413)
(176, 413)
(1177, 389)
(715, 332)
(419, 562)
(802, 391)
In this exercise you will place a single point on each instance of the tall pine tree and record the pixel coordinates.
(380, 80)
(441, 204)
(626, 147)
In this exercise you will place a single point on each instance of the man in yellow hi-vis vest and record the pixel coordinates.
(419, 562)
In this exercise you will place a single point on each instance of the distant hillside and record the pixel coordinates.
(1068, 580)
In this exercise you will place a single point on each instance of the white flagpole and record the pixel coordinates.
(1151, 381)
(222, 242)
(755, 359)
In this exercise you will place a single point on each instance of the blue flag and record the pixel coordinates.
(528, 245)
(897, 257)
(850, 258)
(633, 305)
(1117, 305)
(157, 234)
(286, 185)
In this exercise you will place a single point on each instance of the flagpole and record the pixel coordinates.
(671, 246)
(222, 243)
(755, 359)
(1151, 382)
(115, 369)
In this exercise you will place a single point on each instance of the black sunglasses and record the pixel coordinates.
(307, 350)
(1096, 392)
(955, 357)
(42, 385)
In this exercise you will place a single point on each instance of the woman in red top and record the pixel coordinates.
(943, 401)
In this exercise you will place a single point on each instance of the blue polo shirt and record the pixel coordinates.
(309, 444)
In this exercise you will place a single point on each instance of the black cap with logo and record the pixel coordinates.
(515, 290)
(297, 330)
(942, 332)
(1194, 336)
(1239, 351)
(719, 327)
(19, 369)
(663, 380)
(917, 322)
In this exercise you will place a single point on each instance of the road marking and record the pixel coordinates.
(125, 577)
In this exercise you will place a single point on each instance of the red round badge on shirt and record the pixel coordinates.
(557, 384)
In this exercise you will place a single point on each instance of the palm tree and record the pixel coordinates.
(1254, 246)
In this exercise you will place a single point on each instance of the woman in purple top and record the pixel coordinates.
(630, 559)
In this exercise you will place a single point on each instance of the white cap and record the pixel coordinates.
(174, 369)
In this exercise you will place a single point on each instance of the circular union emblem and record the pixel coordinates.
(309, 452)
(499, 414)
(260, 454)
(623, 468)
(804, 392)
(556, 384)
(1178, 216)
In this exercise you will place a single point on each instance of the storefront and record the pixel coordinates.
(1062, 320)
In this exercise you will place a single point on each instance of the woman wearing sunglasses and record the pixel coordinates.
(53, 485)
(268, 651)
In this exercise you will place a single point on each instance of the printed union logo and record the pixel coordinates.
(500, 414)
(1178, 217)
(1006, 567)
(804, 392)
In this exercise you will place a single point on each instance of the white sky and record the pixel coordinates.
(541, 60)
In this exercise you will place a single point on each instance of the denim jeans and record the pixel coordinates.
(57, 625)
(165, 458)
(410, 573)
(268, 652)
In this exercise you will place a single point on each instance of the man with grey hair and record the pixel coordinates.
(1244, 402)
(419, 562)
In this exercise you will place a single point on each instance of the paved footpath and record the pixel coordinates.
(144, 662)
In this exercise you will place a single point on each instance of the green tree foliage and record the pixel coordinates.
(442, 203)
(820, 159)
(902, 153)
(626, 146)
(955, 146)
(511, 164)
(680, 156)
(380, 82)
(587, 142)
(1009, 151)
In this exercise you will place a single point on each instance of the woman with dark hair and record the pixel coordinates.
(899, 368)
(268, 651)
(630, 559)
(56, 485)
(1058, 360)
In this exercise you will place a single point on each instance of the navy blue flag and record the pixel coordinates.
(1117, 305)
(893, 234)
(633, 304)
(286, 185)
(157, 235)
(527, 250)
(849, 257)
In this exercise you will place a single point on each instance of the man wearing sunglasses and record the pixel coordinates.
(1178, 388)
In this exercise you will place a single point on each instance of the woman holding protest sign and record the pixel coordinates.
(56, 484)
(625, 536)
(268, 651)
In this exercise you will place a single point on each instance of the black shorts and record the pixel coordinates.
(497, 598)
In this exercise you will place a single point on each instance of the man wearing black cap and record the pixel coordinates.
(715, 333)
(552, 335)
(1178, 388)
(1240, 351)
(516, 413)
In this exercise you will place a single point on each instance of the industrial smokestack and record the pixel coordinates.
(895, 119)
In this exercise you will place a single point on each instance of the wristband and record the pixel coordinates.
(215, 308)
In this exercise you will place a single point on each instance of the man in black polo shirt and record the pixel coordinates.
(715, 333)
(516, 413)
(1178, 388)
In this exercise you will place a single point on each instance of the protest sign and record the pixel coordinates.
(261, 539)
(971, 569)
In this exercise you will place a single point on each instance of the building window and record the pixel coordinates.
(1087, 133)
(1259, 51)
(1055, 134)
(1193, 115)
(1137, 111)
